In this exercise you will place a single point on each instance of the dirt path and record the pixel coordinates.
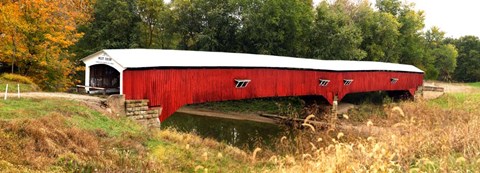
(93, 102)
(69, 96)
(448, 88)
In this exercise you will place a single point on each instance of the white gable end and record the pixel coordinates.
(102, 58)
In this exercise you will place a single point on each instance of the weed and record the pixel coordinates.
(425, 136)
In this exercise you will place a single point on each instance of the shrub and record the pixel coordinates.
(18, 78)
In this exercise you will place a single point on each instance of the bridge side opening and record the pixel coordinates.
(104, 78)
(376, 97)
(400, 95)
(296, 106)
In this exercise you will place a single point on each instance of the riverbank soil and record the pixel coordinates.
(233, 116)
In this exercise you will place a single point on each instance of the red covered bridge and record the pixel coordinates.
(173, 78)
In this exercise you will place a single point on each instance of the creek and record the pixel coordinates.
(243, 134)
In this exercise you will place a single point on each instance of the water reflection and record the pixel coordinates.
(243, 134)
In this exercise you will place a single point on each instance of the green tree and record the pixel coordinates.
(277, 27)
(219, 25)
(187, 23)
(441, 57)
(115, 25)
(335, 35)
(389, 6)
(446, 61)
(411, 39)
(380, 34)
(155, 26)
(468, 61)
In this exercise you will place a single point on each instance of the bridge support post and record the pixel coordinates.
(139, 111)
(116, 104)
(335, 105)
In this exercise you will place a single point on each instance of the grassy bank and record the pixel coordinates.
(63, 136)
(441, 135)
(476, 84)
(15, 82)
(52, 135)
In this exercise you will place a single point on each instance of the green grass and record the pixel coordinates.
(31, 125)
(476, 84)
(190, 153)
(463, 101)
(79, 115)
(36, 108)
(13, 86)
(75, 133)
(113, 127)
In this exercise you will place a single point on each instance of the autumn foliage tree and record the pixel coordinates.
(35, 36)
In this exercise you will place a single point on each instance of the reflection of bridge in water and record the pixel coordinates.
(170, 78)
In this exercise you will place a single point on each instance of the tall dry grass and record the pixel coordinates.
(421, 136)
(69, 137)
(49, 143)
(424, 136)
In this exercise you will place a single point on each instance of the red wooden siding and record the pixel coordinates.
(173, 88)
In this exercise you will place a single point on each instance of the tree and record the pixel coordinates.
(335, 35)
(220, 25)
(468, 61)
(446, 61)
(11, 38)
(380, 34)
(187, 23)
(154, 16)
(115, 25)
(389, 6)
(210, 25)
(276, 27)
(36, 35)
(412, 49)
(441, 58)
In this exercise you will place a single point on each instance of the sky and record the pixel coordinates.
(455, 17)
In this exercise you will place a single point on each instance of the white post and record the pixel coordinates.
(6, 92)
(18, 90)
(87, 78)
(121, 83)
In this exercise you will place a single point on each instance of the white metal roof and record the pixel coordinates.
(147, 58)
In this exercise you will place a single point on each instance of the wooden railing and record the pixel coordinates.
(433, 88)
(104, 90)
